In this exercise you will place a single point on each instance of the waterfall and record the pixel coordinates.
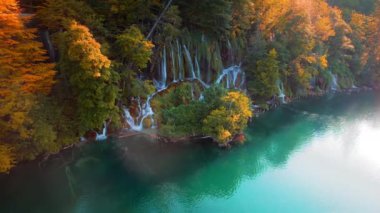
(48, 45)
(201, 97)
(173, 64)
(180, 62)
(281, 92)
(231, 75)
(164, 70)
(198, 68)
(103, 135)
(189, 61)
(145, 111)
(160, 84)
(334, 84)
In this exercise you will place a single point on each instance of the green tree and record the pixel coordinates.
(266, 76)
(55, 15)
(212, 17)
(133, 48)
(91, 78)
(134, 52)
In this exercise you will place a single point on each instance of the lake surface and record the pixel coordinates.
(316, 155)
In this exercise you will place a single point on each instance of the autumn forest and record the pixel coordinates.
(79, 70)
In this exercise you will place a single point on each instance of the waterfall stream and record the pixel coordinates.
(281, 92)
(334, 84)
(229, 75)
(189, 61)
(103, 135)
(179, 56)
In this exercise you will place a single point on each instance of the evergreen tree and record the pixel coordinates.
(211, 17)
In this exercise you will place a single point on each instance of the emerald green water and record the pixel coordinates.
(315, 155)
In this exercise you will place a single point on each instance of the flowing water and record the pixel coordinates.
(229, 75)
(316, 155)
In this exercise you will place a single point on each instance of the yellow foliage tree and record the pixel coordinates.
(23, 71)
(6, 158)
(229, 119)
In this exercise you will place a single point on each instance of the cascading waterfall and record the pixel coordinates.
(231, 77)
(201, 97)
(145, 110)
(334, 84)
(161, 84)
(198, 68)
(103, 135)
(164, 70)
(173, 64)
(189, 61)
(180, 61)
(281, 92)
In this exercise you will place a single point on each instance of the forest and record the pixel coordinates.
(72, 68)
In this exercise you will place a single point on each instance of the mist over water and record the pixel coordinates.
(320, 154)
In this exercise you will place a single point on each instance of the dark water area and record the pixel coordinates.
(320, 154)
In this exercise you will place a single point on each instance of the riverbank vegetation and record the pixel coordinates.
(70, 68)
(217, 113)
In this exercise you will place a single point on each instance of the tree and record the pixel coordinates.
(24, 74)
(90, 76)
(375, 45)
(229, 119)
(133, 48)
(55, 15)
(270, 15)
(266, 76)
(212, 17)
(170, 26)
(362, 6)
(220, 114)
(134, 52)
(7, 159)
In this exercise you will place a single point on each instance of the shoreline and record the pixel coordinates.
(123, 133)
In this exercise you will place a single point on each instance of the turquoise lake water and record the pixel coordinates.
(320, 154)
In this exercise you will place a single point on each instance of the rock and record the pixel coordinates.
(239, 138)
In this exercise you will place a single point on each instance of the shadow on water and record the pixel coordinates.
(121, 175)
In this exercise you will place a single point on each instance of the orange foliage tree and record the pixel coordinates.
(24, 72)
